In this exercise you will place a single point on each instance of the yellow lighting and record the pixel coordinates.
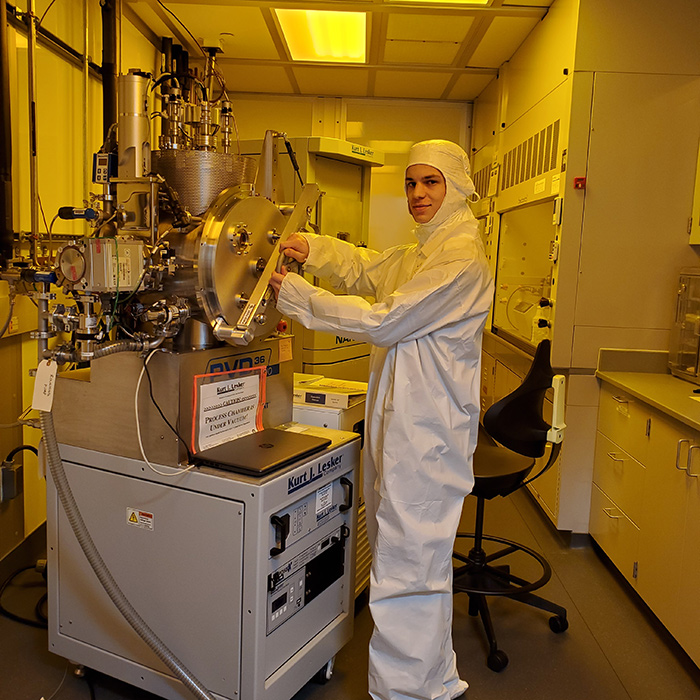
(317, 35)
(447, 2)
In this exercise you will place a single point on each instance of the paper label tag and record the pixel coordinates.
(555, 184)
(228, 409)
(285, 349)
(324, 498)
(44, 385)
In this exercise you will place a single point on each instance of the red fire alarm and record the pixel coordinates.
(579, 183)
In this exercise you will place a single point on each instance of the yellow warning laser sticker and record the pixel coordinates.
(139, 518)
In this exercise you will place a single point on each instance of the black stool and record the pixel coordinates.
(513, 435)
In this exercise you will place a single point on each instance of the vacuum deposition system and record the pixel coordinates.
(178, 576)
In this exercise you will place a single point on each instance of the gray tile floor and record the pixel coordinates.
(613, 650)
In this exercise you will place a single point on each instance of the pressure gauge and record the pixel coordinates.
(71, 265)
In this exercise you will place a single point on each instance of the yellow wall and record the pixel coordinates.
(389, 126)
(392, 126)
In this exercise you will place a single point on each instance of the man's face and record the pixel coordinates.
(425, 190)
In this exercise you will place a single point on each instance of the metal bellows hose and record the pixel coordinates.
(100, 568)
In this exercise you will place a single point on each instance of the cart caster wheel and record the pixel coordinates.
(558, 624)
(325, 674)
(497, 660)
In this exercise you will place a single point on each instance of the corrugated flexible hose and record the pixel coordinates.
(100, 568)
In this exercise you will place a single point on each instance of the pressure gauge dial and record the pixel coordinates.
(71, 265)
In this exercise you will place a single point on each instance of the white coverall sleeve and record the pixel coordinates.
(445, 293)
(348, 268)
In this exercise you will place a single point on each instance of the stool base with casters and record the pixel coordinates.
(480, 575)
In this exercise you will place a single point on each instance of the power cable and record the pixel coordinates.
(21, 448)
(177, 471)
(182, 24)
(162, 415)
(45, 12)
(60, 685)
(12, 616)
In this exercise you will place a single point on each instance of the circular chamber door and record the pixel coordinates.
(238, 237)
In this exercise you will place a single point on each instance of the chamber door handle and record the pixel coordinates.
(348, 485)
(281, 525)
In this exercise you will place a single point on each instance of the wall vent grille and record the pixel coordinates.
(531, 158)
(481, 180)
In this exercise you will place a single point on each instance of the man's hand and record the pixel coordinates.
(296, 247)
(276, 280)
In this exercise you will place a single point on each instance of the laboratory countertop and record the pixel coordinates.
(662, 390)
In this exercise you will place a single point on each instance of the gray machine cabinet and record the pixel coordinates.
(198, 556)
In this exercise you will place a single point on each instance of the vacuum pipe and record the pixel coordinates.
(109, 65)
(33, 159)
(6, 225)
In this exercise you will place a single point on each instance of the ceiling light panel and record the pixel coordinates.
(318, 35)
(474, 3)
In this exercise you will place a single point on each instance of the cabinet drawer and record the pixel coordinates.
(614, 532)
(624, 420)
(620, 476)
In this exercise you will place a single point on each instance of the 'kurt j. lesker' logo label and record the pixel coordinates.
(313, 473)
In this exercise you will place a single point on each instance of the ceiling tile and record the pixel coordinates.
(242, 30)
(428, 28)
(439, 53)
(145, 12)
(411, 40)
(468, 87)
(332, 81)
(410, 84)
(501, 40)
(256, 79)
(530, 3)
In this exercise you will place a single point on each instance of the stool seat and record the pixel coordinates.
(497, 471)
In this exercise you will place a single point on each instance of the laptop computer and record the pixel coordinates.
(261, 452)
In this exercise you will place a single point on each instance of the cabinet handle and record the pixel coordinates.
(608, 512)
(678, 455)
(690, 461)
(347, 504)
(615, 458)
(281, 525)
(621, 399)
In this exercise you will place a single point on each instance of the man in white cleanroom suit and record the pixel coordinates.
(432, 299)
